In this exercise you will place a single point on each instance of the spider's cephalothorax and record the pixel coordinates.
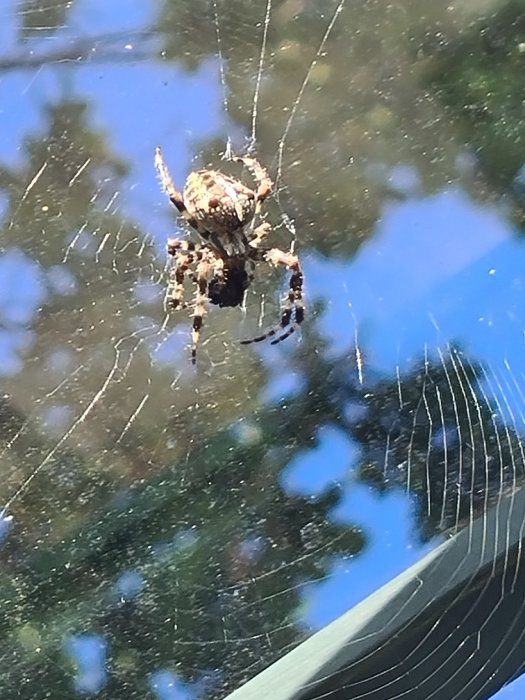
(219, 207)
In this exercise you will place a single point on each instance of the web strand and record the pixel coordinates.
(98, 396)
(256, 94)
(285, 218)
(304, 84)
(225, 103)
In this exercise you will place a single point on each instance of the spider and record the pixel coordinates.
(220, 207)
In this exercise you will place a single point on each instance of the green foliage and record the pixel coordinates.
(480, 79)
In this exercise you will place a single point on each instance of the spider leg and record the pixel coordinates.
(177, 247)
(168, 186)
(264, 184)
(258, 235)
(183, 258)
(293, 307)
(207, 267)
(218, 269)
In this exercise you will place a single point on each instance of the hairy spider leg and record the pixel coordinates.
(184, 255)
(264, 184)
(293, 306)
(209, 266)
(259, 234)
(168, 184)
(293, 303)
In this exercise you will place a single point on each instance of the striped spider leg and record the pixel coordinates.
(208, 266)
(292, 312)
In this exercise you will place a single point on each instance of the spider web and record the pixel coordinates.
(171, 532)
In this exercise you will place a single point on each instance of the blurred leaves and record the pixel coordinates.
(480, 79)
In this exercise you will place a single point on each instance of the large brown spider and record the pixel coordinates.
(219, 207)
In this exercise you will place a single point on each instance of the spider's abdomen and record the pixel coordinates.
(219, 206)
(229, 291)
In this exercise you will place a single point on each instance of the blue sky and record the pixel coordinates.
(439, 269)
